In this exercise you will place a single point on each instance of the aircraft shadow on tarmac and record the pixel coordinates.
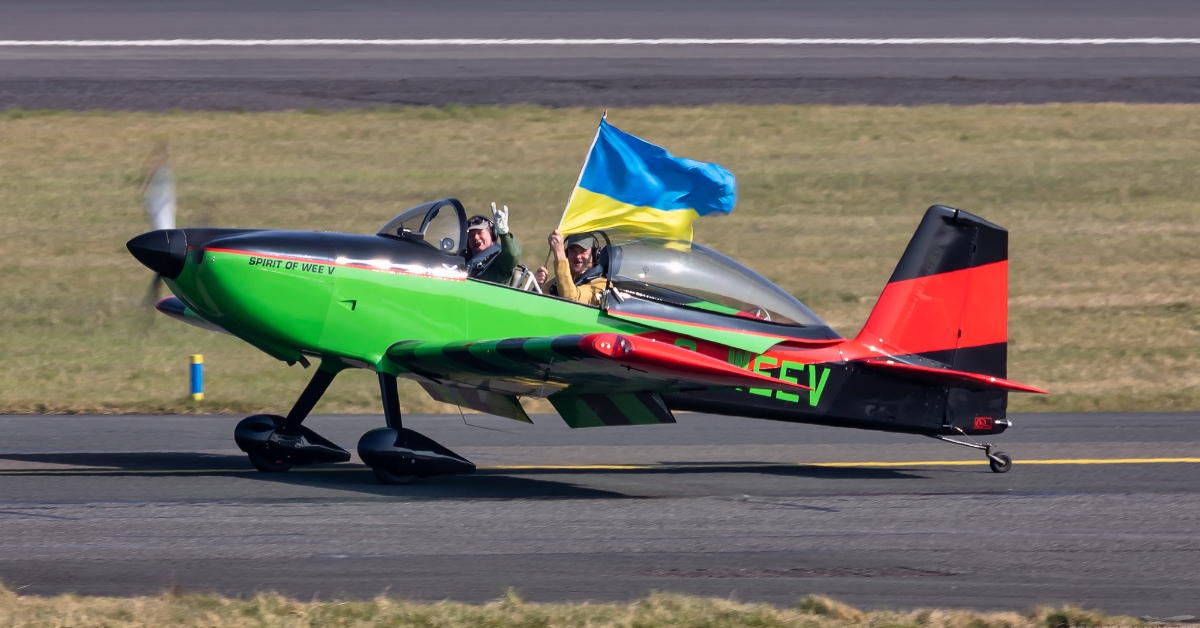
(688, 468)
(348, 477)
(545, 483)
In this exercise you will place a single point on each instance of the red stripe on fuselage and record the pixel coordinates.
(327, 262)
(926, 313)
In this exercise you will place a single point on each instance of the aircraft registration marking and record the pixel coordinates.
(785, 370)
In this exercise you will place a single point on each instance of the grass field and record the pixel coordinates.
(1102, 201)
(659, 610)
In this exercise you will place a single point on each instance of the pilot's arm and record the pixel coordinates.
(510, 248)
(566, 287)
(588, 293)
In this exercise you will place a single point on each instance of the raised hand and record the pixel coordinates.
(500, 219)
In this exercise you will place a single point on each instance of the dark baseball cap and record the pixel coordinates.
(585, 240)
(479, 222)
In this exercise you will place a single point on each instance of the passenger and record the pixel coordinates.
(575, 259)
(492, 251)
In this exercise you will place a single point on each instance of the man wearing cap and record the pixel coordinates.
(492, 251)
(575, 259)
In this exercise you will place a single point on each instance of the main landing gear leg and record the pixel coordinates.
(275, 444)
(999, 461)
(397, 455)
(390, 393)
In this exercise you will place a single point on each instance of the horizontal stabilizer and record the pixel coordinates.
(483, 401)
(949, 377)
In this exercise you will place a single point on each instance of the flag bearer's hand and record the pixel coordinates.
(556, 245)
(541, 276)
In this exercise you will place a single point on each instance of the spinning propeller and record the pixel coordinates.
(158, 199)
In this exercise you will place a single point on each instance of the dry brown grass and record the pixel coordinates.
(1103, 203)
(676, 611)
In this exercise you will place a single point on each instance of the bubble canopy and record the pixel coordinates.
(693, 275)
(440, 224)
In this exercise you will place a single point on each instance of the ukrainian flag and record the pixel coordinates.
(633, 187)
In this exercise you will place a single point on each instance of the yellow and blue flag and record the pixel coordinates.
(633, 187)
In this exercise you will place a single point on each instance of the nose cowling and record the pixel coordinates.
(163, 251)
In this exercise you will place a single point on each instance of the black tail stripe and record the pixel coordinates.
(949, 239)
(986, 359)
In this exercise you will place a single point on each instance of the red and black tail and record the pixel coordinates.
(943, 318)
(947, 300)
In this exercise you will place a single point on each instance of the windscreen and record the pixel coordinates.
(438, 224)
(689, 274)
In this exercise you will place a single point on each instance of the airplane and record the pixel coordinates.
(680, 327)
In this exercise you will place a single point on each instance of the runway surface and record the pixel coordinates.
(283, 77)
(711, 506)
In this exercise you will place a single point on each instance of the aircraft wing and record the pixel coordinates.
(592, 379)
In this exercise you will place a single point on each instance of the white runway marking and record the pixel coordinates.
(922, 41)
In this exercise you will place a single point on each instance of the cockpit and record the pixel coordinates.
(695, 276)
(669, 277)
(440, 224)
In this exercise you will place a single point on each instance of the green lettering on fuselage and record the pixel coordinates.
(758, 368)
(814, 395)
(785, 373)
(786, 370)
(739, 358)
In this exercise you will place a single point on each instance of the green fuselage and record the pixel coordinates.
(350, 312)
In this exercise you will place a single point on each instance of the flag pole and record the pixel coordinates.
(570, 198)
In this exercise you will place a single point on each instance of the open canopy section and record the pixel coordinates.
(695, 276)
(440, 224)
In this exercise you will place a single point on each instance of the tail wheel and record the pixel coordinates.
(392, 479)
(267, 465)
(1000, 462)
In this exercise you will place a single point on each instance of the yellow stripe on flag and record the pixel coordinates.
(590, 211)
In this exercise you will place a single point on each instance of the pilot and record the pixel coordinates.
(575, 258)
(492, 251)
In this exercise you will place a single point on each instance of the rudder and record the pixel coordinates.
(947, 300)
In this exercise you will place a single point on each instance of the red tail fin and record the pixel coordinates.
(948, 297)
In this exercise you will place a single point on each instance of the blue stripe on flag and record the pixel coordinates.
(633, 171)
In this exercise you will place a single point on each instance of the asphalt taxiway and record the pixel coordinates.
(349, 75)
(1098, 510)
